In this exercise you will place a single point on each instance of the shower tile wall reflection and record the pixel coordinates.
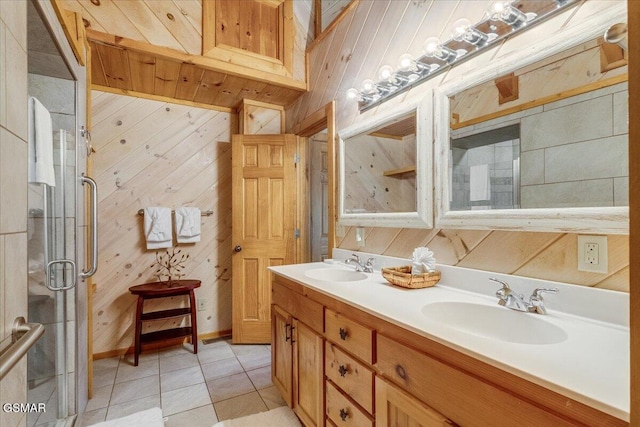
(567, 153)
(500, 161)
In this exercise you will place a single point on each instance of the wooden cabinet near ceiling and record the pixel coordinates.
(247, 53)
(378, 373)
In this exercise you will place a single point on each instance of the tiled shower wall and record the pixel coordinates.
(13, 192)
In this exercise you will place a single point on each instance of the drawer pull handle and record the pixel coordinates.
(343, 370)
(287, 337)
(344, 414)
(343, 334)
(401, 372)
(292, 340)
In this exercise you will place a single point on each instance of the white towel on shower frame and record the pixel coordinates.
(40, 144)
(157, 227)
(188, 225)
(479, 183)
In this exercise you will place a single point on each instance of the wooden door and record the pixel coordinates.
(281, 353)
(263, 203)
(319, 182)
(394, 407)
(308, 374)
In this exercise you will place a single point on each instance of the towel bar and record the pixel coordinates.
(24, 336)
(203, 213)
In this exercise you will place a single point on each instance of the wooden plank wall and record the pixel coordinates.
(150, 153)
(377, 33)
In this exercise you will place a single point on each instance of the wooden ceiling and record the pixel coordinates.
(154, 48)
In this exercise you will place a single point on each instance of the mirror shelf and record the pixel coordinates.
(468, 198)
(385, 169)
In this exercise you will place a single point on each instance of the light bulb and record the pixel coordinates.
(433, 49)
(431, 46)
(496, 9)
(385, 73)
(405, 62)
(503, 11)
(460, 28)
(464, 31)
(353, 94)
(368, 86)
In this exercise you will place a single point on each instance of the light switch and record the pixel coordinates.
(360, 236)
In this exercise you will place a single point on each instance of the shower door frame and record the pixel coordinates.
(48, 14)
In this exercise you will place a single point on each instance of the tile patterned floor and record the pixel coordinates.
(222, 381)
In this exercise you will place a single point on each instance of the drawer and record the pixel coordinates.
(462, 398)
(349, 375)
(299, 306)
(342, 411)
(350, 335)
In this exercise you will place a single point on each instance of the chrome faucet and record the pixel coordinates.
(509, 299)
(536, 303)
(355, 259)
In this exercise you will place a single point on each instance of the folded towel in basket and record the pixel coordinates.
(157, 227)
(188, 224)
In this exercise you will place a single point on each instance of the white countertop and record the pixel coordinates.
(591, 366)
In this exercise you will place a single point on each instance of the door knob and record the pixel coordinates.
(238, 248)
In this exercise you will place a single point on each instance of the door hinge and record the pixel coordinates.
(296, 233)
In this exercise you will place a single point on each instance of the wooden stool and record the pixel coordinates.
(162, 290)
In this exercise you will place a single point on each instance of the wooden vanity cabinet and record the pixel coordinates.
(394, 377)
(397, 408)
(297, 356)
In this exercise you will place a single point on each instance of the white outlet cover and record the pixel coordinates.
(603, 264)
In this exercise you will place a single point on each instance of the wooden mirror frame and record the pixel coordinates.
(610, 220)
(423, 217)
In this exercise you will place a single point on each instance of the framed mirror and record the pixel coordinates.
(385, 169)
(538, 143)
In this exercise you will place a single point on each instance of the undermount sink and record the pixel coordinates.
(495, 322)
(335, 275)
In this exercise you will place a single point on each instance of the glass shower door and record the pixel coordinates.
(51, 233)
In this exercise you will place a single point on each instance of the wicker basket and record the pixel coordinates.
(401, 276)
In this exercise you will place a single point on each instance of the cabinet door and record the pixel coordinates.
(281, 353)
(397, 408)
(308, 362)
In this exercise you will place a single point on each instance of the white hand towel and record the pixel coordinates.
(157, 227)
(188, 225)
(422, 261)
(40, 144)
(480, 186)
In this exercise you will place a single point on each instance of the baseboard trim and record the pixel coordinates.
(159, 344)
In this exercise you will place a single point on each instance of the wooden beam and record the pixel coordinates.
(208, 26)
(73, 28)
(162, 98)
(633, 17)
(317, 18)
(334, 23)
(541, 101)
(207, 63)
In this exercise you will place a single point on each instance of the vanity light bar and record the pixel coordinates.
(503, 19)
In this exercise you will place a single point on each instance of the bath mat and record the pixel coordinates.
(279, 417)
(148, 418)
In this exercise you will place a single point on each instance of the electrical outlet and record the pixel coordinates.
(202, 304)
(592, 254)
